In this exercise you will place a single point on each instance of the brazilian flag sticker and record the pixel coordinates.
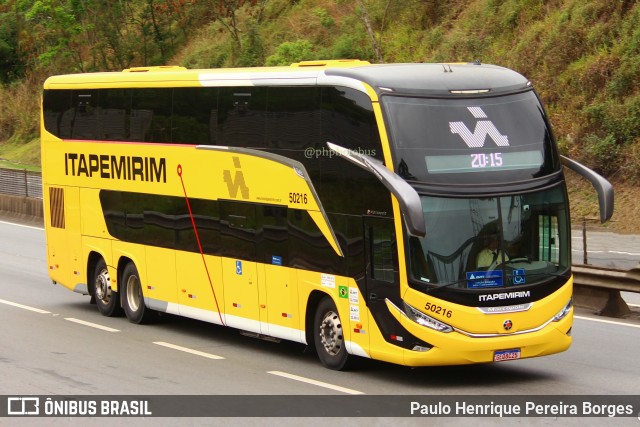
(343, 291)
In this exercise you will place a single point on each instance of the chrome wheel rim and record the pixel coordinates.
(331, 334)
(103, 286)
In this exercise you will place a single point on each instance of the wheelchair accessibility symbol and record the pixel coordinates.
(239, 268)
(518, 277)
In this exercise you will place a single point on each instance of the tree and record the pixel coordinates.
(47, 33)
(11, 64)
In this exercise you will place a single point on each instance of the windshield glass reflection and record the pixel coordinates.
(491, 242)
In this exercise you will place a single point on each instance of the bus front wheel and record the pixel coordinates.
(132, 298)
(329, 336)
(105, 297)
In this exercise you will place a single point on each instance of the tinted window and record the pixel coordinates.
(82, 118)
(293, 117)
(241, 119)
(150, 116)
(348, 120)
(195, 114)
(227, 228)
(238, 230)
(55, 104)
(113, 109)
(273, 240)
(309, 249)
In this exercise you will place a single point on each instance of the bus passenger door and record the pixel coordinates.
(382, 281)
(238, 233)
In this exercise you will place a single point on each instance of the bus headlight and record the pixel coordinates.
(424, 320)
(562, 313)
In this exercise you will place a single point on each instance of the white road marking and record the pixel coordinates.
(21, 225)
(612, 322)
(624, 253)
(314, 382)
(189, 350)
(93, 325)
(26, 307)
(607, 252)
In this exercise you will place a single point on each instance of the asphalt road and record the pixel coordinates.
(606, 249)
(53, 342)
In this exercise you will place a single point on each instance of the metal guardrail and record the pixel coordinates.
(21, 183)
(598, 289)
(607, 278)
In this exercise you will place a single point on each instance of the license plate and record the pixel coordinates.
(504, 355)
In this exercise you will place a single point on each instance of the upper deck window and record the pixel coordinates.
(479, 141)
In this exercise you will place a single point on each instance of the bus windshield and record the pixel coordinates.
(481, 243)
(461, 141)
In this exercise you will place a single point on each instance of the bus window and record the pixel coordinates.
(150, 116)
(114, 105)
(241, 119)
(294, 117)
(194, 115)
(84, 115)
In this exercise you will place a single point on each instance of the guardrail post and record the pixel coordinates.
(26, 184)
(585, 261)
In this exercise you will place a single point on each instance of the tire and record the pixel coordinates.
(132, 297)
(328, 336)
(105, 297)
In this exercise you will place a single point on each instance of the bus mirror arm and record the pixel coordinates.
(602, 186)
(407, 196)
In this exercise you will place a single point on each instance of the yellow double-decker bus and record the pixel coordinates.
(411, 213)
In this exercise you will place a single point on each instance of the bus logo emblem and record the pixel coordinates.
(483, 128)
(236, 183)
(507, 325)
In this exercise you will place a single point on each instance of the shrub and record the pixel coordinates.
(602, 153)
(290, 52)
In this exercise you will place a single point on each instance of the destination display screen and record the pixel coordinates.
(483, 140)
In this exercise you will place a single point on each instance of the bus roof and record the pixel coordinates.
(437, 79)
(434, 79)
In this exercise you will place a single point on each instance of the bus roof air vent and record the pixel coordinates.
(154, 69)
(331, 63)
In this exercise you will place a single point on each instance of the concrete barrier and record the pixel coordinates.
(23, 207)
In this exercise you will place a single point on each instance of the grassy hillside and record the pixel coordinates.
(583, 56)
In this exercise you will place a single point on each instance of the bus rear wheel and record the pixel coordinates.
(105, 297)
(132, 297)
(329, 336)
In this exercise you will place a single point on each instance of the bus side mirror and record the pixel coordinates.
(602, 186)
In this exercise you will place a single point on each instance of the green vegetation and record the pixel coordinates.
(583, 56)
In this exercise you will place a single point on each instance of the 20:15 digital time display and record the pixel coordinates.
(480, 160)
(489, 161)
